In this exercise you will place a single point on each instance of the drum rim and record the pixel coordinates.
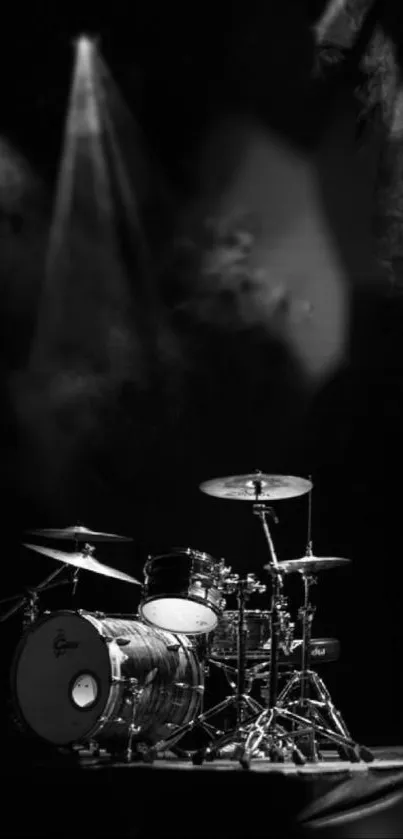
(191, 599)
(181, 551)
(176, 631)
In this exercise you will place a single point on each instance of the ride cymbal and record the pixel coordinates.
(78, 534)
(257, 486)
(310, 564)
(83, 561)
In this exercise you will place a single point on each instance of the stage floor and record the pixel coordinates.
(84, 795)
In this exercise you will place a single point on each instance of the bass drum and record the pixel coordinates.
(80, 677)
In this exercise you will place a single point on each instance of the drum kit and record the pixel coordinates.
(134, 685)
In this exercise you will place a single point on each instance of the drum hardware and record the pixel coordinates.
(198, 688)
(135, 694)
(264, 730)
(306, 680)
(29, 602)
(266, 733)
(240, 699)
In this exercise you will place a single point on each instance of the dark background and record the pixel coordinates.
(225, 402)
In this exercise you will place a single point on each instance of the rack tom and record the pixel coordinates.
(224, 642)
(183, 591)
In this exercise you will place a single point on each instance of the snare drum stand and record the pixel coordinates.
(266, 737)
(241, 700)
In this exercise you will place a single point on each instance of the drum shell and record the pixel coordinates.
(223, 641)
(168, 676)
(189, 575)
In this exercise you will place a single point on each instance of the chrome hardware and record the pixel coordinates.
(198, 688)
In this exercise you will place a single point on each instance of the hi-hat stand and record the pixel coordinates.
(267, 736)
(321, 709)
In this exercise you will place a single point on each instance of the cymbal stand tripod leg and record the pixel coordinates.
(317, 712)
(28, 602)
(239, 699)
(266, 736)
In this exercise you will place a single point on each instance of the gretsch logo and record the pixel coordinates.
(61, 644)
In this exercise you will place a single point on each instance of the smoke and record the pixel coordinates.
(24, 214)
(267, 256)
(92, 329)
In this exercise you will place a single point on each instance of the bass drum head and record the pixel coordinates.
(61, 678)
(179, 614)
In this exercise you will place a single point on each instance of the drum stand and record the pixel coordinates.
(240, 699)
(29, 602)
(267, 737)
(321, 709)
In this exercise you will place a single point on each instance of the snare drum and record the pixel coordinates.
(78, 677)
(224, 639)
(182, 592)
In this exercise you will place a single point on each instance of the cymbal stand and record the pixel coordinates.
(266, 737)
(320, 710)
(29, 602)
(262, 728)
(240, 699)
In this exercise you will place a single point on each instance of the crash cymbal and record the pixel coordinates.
(83, 561)
(256, 487)
(310, 564)
(78, 534)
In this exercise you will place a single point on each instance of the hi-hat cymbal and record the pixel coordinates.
(78, 534)
(256, 486)
(83, 561)
(310, 564)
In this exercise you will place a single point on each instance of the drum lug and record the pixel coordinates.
(125, 680)
(197, 688)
